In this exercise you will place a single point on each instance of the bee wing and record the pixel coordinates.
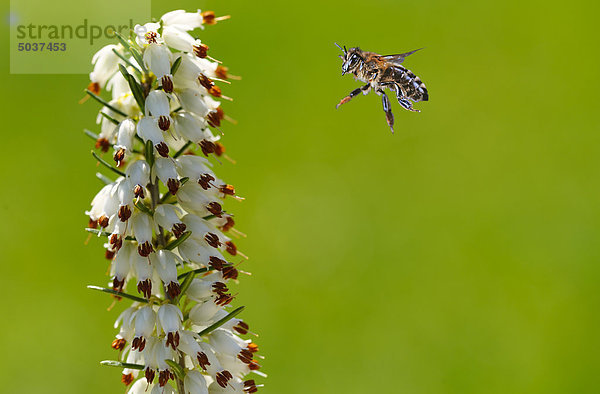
(399, 58)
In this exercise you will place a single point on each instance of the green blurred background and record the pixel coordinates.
(459, 255)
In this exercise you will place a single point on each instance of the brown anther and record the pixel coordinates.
(109, 254)
(227, 189)
(205, 81)
(253, 347)
(219, 288)
(216, 263)
(215, 208)
(145, 287)
(172, 340)
(250, 386)
(163, 377)
(94, 87)
(103, 221)
(138, 191)
(203, 360)
(221, 72)
(219, 148)
(118, 284)
(241, 328)
(201, 50)
(205, 180)
(145, 249)
(230, 272)
(254, 366)
(245, 356)
(212, 240)
(124, 213)
(173, 185)
(164, 123)
(231, 248)
(151, 37)
(215, 91)
(118, 344)
(162, 149)
(207, 147)
(115, 241)
(178, 229)
(149, 373)
(229, 223)
(223, 378)
(223, 299)
(92, 223)
(213, 119)
(221, 113)
(127, 379)
(119, 155)
(138, 343)
(167, 84)
(208, 17)
(102, 144)
(173, 290)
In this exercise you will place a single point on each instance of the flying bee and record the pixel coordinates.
(380, 72)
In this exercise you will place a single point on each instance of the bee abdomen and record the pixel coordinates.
(411, 85)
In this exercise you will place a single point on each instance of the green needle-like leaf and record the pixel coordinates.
(135, 87)
(104, 178)
(222, 321)
(175, 65)
(122, 40)
(107, 116)
(106, 233)
(118, 293)
(149, 153)
(138, 58)
(178, 369)
(182, 150)
(104, 102)
(119, 364)
(104, 163)
(176, 242)
(196, 271)
(91, 134)
(127, 61)
(142, 207)
(134, 52)
(184, 286)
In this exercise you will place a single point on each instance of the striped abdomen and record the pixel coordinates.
(406, 82)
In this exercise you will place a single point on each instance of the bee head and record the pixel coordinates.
(351, 59)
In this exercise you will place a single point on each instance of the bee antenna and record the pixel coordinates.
(343, 49)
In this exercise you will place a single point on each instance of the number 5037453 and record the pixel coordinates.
(42, 46)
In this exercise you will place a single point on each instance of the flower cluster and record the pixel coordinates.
(163, 216)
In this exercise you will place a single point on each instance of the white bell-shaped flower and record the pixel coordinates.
(195, 383)
(188, 20)
(170, 318)
(126, 135)
(191, 127)
(192, 101)
(157, 58)
(164, 168)
(105, 63)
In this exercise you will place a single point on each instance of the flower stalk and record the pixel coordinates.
(167, 234)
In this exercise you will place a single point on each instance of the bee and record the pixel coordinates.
(380, 72)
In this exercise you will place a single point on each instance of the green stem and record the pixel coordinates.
(103, 162)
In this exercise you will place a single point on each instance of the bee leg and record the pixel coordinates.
(406, 104)
(389, 116)
(353, 94)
